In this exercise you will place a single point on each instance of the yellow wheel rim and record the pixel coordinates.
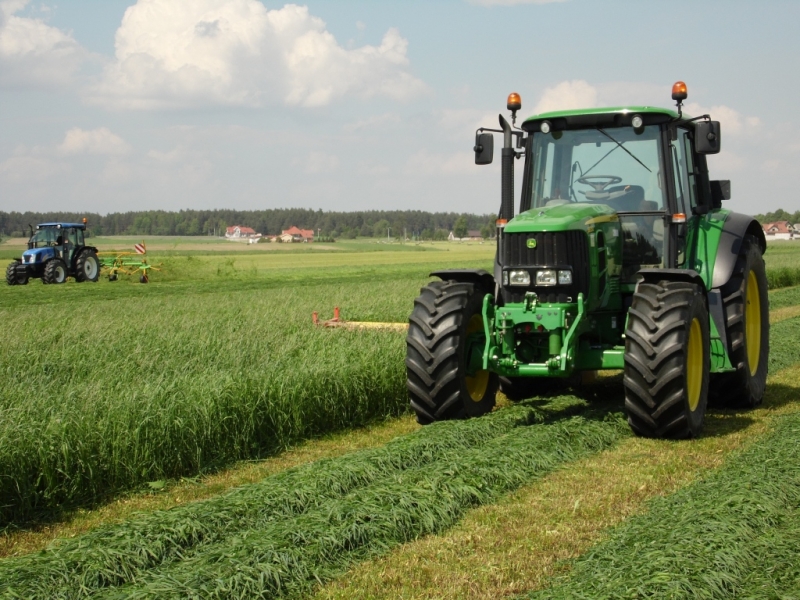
(694, 365)
(476, 386)
(752, 322)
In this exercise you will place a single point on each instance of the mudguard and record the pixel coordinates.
(735, 228)
(479, 277)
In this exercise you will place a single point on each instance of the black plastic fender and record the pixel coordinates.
(479, 277)
(735, 228)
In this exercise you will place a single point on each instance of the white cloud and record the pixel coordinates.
(319, 162)
(567, 95)
(95, 141)
(424, 162)
(375, 122)
(731, 121)
(33, 53)
(236, 52)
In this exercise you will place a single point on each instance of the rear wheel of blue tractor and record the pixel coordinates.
(55, 271)
(444, 348)
(87, 267)
(667, 360)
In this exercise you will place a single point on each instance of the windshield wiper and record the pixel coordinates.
(624, 148)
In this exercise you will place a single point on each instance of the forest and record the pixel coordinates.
(412, 223)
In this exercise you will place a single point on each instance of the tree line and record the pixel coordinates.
(779, 215)
(375, 223)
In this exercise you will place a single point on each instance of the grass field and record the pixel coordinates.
(115, 391)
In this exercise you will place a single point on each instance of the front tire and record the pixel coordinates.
(55, 271)
(87, 267)
(11, 274)
(667, 360)
(445, 328)
(745, 302)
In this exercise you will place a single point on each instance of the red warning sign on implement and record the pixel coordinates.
(139, 248)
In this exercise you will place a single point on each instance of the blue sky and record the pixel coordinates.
(109, 105)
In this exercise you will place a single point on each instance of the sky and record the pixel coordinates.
(122, 105)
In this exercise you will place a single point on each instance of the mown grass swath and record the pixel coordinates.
(101, 396)
(732, 535)
(283, 535)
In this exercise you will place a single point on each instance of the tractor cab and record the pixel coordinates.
(618, 169)
(55, 239)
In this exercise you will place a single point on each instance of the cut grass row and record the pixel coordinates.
(732, 535)
(283, 535)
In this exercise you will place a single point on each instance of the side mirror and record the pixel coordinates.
(484, 148)
(720, 190)
(707, 138)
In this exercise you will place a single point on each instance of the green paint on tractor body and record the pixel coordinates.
(539, 334)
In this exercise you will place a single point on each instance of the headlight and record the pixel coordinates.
(546, 277)
(519, 278)
(565, 278)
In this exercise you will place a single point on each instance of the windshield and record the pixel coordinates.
(617, 166)
(47, 236)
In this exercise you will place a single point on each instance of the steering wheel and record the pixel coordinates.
(599, 186)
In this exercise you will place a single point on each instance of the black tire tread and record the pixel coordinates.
(655, 345)
(740, 389)
(433, 346)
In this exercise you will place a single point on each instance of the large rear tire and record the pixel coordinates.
(55, 271)
(745, 303)
(667, 360)
(446, 327)
(87, 267)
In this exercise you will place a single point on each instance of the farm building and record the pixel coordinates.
(472, 235)
(779, 230)
(237, 232)
(294, 234)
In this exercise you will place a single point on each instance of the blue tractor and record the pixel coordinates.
(55, 251)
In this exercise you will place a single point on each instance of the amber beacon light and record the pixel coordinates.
(513, 104)
(679, 91)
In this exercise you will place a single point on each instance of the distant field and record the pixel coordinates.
(119, 395)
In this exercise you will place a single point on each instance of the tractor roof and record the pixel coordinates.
(583, 118)
(62, 225)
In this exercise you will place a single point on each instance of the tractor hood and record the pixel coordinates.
(37, 255)
(571, 215)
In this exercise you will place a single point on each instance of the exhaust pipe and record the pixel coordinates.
(507, 173)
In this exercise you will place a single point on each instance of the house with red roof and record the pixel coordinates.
(297, 234)
(779, 230)
(240, 232)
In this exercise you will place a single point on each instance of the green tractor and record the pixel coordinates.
(55, 251)
(621, 257)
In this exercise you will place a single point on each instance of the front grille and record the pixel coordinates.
(553, 249)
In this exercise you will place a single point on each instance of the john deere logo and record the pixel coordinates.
(531, 243)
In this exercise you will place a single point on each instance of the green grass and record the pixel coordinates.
(731, 535)
(110, 386)
(283, 535)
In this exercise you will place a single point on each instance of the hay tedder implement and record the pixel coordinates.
(127, 263)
